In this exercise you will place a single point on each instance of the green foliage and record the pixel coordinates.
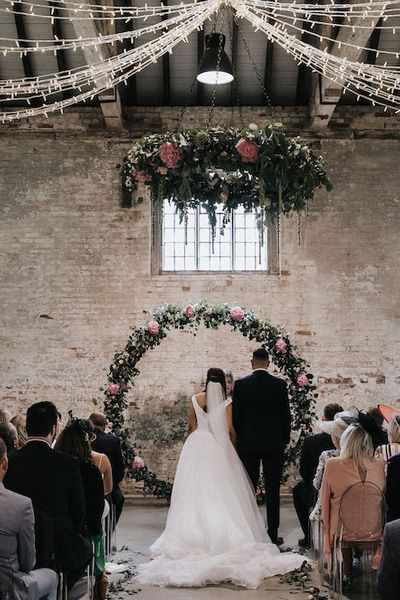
(281, 180)
(123, 371)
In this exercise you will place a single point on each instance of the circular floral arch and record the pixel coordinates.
(123, 370)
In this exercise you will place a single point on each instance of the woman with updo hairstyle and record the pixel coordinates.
(75, 440)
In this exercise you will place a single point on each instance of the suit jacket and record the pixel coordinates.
(393, 488)
(261, 413)
(389, 568)
(52, 480)
(110, 445)
(313, 446)
(17, 542)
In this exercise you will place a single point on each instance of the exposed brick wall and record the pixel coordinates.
(75, 274)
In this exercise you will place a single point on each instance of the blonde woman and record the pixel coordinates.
(355, 464)
(393, 447)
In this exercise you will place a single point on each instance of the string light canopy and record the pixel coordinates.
(338, 60)
(216, 68)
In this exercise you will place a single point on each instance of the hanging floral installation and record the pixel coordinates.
(259, 168)
(143, 338)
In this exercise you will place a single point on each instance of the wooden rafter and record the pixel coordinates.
(326, 94)
(110, 101)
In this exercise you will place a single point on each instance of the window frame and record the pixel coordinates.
(156, 251)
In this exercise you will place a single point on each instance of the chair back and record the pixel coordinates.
(361, 513)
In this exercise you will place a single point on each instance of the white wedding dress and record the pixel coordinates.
(214, 530)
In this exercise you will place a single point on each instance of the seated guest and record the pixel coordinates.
(393, 488)
(17, 546)
(393, 447)
(303, 492)
(389, 568)
(52, 481)
(110, 445)
(355, 464)
(9, 435)
(75, 440)
(335, 429)
(19, 423)
(101, 461)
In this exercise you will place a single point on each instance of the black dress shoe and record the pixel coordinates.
(304, 543)
(278, 541)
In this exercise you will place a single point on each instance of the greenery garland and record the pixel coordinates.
(123, 370)
(259, 168)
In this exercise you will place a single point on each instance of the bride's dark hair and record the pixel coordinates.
(216, 375)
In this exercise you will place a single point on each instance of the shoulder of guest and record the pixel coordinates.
(64, 458)
(18, 500)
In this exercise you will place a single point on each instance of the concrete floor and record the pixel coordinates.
(138, 527)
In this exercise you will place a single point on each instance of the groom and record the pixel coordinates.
(261, 418)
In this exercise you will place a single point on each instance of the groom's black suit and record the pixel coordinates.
(261, 417)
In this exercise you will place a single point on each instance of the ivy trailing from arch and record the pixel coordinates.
(143, 338)
(259, 168)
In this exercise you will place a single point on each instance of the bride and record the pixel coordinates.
(214, 530)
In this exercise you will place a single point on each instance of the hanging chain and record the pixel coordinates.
(257, 72)
(235, 76)
(214, 93)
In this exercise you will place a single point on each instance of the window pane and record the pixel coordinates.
(235, 247)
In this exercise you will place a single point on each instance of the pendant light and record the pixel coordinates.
(216, 68)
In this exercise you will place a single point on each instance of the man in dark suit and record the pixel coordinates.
(393, 488)
(304, 492)
(53, 482)
(110, 445)
(261, 418)
(389, 567)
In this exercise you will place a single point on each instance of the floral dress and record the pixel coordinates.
(316, 513)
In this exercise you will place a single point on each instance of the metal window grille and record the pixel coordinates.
(237, 248)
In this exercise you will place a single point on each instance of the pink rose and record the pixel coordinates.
(224, 153)
(141, 175)
(170, 155)
(258, 490)
(138, 463)
(280, 345)
(189, 311)
(248, 150)
(302, 380)
(153, 327)
(113, 389)
(237, 313)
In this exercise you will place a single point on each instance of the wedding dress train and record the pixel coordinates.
(214, 530)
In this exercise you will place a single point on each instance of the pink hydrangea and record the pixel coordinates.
(170, 155)
(153, 327)
(189, 311)
(141, 175)
(113, 389)
(280, 345)
(302, 380)
(138, 463)
(237, 313)
(248, 150)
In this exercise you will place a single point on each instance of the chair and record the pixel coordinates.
(316, 533)
(109, 529)
(6, 579)
(360, 527)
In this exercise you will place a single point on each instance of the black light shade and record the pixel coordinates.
(216, 68)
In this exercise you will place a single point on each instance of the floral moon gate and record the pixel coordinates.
(146, 337)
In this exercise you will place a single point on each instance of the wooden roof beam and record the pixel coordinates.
(110, 101)
(326, 94)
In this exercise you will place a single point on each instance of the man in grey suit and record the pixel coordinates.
(389, 568)
(18, 579)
